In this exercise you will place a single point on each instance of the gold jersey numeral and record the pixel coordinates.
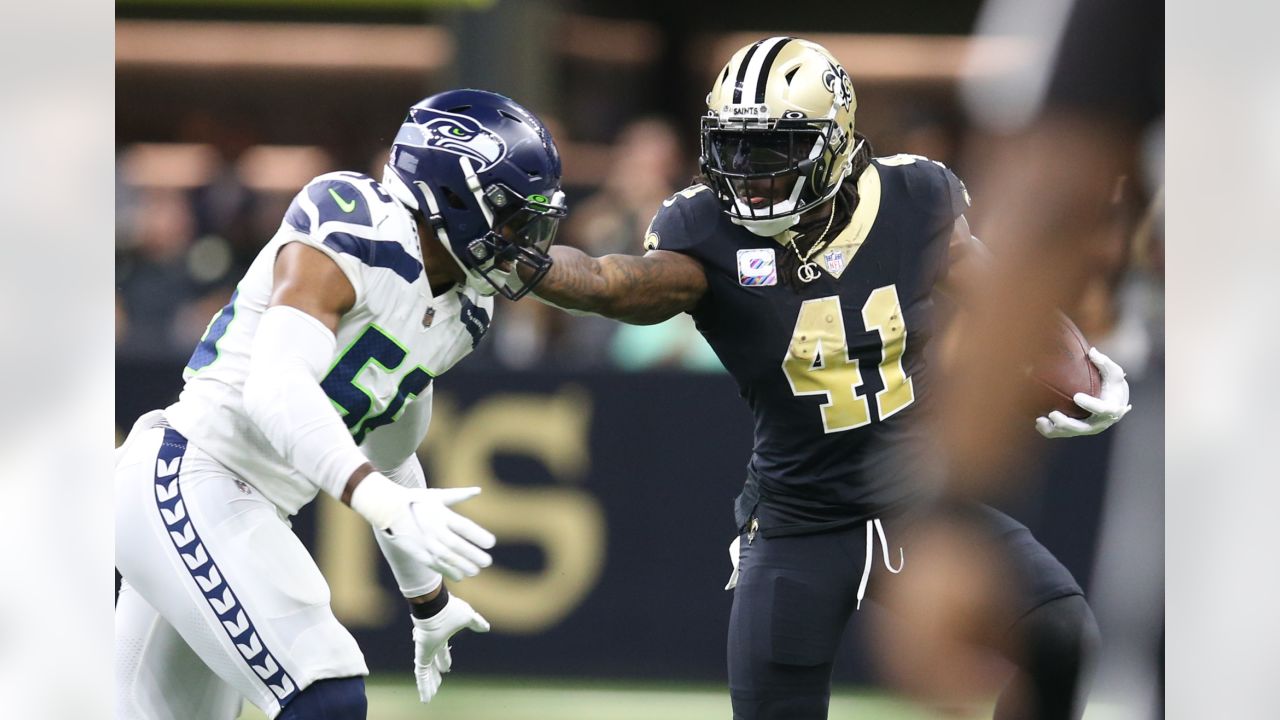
(883, 313)
(818, 362)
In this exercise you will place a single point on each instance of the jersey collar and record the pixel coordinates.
(839, 254)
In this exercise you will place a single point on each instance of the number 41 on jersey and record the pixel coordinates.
(818, 362)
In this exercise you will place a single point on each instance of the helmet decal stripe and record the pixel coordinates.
(767, 66)
(742, 72)
(766, 53)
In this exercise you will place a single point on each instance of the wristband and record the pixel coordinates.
(432, 607)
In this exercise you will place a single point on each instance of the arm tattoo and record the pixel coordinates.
(637, 290)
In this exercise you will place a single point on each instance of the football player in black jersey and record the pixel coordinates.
(810, 267)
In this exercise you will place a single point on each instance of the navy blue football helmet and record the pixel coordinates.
(485, 174)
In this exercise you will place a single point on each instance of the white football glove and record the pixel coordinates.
(431, 658)
(1111, 404)
(419, 522)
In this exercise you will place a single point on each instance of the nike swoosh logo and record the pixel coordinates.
(665, 203)
(346, 205)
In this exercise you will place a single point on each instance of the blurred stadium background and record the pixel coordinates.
(609, 454)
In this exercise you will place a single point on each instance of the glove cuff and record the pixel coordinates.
(432, 607)
(378, 500)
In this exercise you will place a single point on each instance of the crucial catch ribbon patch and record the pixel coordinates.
(757, 267)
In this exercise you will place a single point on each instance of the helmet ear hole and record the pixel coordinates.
(454, 200)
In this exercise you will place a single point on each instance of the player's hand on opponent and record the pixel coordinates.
(419, 521)
(431, 659)
(1105, 410)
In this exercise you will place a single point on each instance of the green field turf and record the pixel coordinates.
(464, 698)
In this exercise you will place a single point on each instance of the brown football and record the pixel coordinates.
(1064, 369)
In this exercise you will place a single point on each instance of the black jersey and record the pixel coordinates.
(834, 369)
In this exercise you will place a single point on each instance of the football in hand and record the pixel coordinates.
(1063, 369)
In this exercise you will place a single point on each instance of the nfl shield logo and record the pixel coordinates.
(428, 317)
(834, 260)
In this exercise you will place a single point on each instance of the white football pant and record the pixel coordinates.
(220, 599)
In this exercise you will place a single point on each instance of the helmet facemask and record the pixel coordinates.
(772, 170)
(521, 234)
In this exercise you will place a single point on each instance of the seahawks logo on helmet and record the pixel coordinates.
(456, 134)
(837, 81)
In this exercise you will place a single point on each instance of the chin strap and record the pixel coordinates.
(767, 228)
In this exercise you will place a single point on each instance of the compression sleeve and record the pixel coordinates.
(282, 396)
(411, 575)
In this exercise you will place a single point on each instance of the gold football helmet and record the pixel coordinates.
(777, 138)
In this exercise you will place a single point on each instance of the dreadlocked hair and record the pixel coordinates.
(810, 229)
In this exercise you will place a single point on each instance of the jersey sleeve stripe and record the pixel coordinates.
(376, 253)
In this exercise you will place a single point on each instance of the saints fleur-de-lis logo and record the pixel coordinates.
(838, 83)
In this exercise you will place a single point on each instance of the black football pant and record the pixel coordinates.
(796, 594)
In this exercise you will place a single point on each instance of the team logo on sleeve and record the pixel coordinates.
(452, 133)
(757, 267)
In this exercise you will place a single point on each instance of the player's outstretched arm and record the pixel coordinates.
(639, 290)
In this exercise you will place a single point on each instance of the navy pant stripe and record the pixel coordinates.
(212, 583)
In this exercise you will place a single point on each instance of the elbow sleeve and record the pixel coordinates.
(282, 396)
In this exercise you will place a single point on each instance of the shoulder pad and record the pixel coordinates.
(928, 181)
(350, 217)
(350, 198)
(685, 220)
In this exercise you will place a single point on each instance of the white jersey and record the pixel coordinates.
(396, 338)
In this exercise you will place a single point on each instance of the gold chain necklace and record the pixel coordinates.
(808, 270)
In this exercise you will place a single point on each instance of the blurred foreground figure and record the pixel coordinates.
(1060, 145)
(1079, 126)
(810, 267)
(318, 376)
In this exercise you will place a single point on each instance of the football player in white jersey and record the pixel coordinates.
(318, 376)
